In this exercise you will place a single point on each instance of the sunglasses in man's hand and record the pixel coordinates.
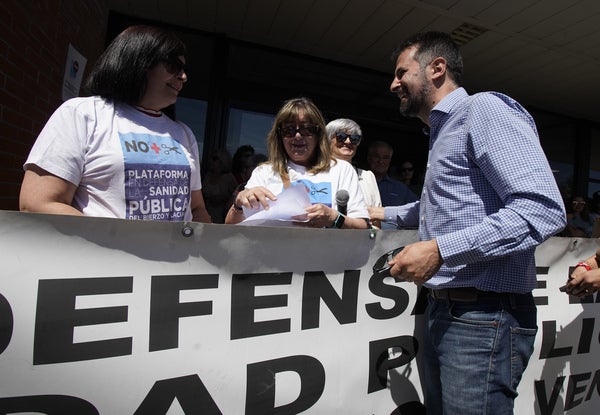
(382, 266)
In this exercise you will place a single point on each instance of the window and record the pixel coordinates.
(192, 112)
(248, 127)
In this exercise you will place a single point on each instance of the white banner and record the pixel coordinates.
(104, 316)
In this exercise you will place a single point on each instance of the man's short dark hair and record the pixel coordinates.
(431, 45)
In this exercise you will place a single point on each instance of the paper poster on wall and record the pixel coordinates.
(74, 68)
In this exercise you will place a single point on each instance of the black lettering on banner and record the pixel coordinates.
(588, 299)
(573, 395)
(6, 323)
(244, 302)
(541, 300)
(47, 404)
(317, 286)
(587, 331)
(190, 392)
(166, 310)
(261, 387)
(574, 389)
(56, 318)
(380, 362)
(547, 349)
(547, 405)
(398, 294)
(594, 386)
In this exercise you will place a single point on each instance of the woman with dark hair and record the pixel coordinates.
(300, 154)
(115, 153)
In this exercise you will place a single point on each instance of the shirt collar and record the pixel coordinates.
(444, 107)
(450, 100)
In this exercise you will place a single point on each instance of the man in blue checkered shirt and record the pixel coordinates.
(489, 200)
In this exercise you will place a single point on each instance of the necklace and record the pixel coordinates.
(148, 111)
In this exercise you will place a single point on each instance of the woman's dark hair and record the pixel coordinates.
(120, 73)
(431, 45)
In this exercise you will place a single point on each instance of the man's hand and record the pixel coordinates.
(376, 212)
(417, 262)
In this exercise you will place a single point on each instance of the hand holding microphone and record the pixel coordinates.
(320, 215)
(341, 200)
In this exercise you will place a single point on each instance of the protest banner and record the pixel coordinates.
(108, 316)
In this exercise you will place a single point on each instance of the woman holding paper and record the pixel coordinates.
(300, 155)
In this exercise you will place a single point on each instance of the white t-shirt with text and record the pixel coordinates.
(126, 164)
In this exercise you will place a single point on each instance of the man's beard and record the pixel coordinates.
(414, 102)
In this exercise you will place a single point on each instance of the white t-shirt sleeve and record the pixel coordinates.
(348, 180)
(264, 175)
(61, 145)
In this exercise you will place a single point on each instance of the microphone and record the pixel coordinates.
(341, 200)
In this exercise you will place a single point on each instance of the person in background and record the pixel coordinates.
(392, 192)
(300, 154)
(585, 278)
(581, 221)
(239, 162)
(115, 153)
(247, 166)
(345, 136)
(407, 176)
(218, 184)
(489, 200)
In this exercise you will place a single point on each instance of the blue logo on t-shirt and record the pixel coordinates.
(318, 192)
(157, 177)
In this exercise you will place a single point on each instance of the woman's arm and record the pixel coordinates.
(321, 216)
(199, 212)
(251, 198)
(585, 279)
(43, 192)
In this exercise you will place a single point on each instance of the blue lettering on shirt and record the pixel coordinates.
(157, 177)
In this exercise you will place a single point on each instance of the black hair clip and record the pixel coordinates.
(382, 266)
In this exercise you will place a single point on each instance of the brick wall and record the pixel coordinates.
(34, 40)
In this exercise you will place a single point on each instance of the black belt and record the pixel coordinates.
(463, 294)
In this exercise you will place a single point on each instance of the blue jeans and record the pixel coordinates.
(476, 352)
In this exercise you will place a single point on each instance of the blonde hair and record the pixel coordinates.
(290, 112)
